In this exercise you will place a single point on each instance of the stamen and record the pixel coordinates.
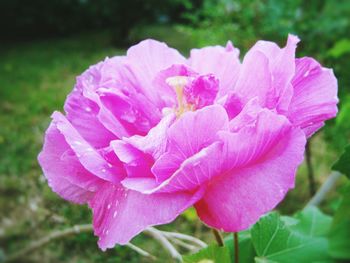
(178, 83)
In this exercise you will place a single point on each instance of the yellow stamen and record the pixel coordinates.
(178, 83)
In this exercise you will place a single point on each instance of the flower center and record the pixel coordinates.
(178, 83)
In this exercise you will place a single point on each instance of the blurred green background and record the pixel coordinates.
(44, 45)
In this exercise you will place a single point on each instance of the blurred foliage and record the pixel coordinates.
(340, 231)
(322, 25)
(308, 236)
(212, 253)
(343, 164)
(41, 18)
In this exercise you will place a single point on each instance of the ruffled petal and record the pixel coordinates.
(192, 153)
(148, 58)
(155, 142)
(139, 152)
(196, 130)
(194, 171)
(65, 175)
(136, 163)
(222, 62)
(202, 91)
(267, 71)
(120, 214)
(260, 164)
(89, 157)
(188, 136)
(119, 104)
(255, 78)
(82, 114)
(315, 95)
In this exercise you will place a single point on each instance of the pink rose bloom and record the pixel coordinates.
(147, 135)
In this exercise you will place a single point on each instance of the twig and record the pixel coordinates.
(77, 229)
(218, 237)
(310, 170)
(184, 244)
(140, 251)
(325, 188)
(156, 234)
(192, 239)
(43, 241)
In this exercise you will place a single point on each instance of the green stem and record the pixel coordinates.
(236, 247)
(218, 237)
(310, 170)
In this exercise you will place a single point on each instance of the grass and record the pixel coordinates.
(35, 79)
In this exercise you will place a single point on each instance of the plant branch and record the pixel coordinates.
(183, 244)
(43, 241)
(156, 234)
(77, 229)
(192, 239)
(324, 189)
(218, 237)
(163, 237)
(141, 251)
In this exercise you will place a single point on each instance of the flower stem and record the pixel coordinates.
(236, 246)
(218, 237)
(310, 170)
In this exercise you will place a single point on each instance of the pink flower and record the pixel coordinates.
(149, 134)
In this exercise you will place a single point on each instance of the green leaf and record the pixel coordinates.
(289, 241)
(312, 222)
(339, 236)
(246, 249)
(190, 214)
(340, 48)
(343, 163)
(211, 254)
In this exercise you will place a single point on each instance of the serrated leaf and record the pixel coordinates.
(300, 241)
(211, 254)
(343, 163)
(339, 235)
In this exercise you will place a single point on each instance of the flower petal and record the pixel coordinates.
(188, 136)
(114, 207)
(281, 62)
(65, 175)
(315, 95)
(266, 72)
(192, 154)
(148, 58)
(255, 78)
(155, 142)
(89, 157)
(82, 114)
(222, 62)
(262, 166)
(194, 171)
(195, 130)
(138, 152)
